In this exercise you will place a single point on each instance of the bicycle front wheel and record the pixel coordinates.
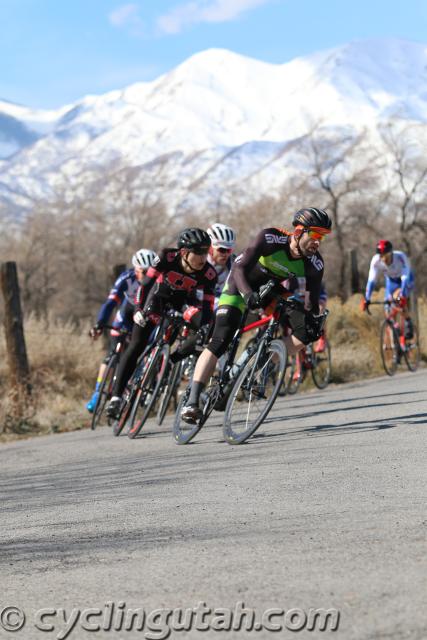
(169, 391)
(149, 390)
(321, 371)
(104, 391)
(254, 392)
(412, 350)
(389, 347)
(125, 410)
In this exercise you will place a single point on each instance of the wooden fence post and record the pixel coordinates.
(15, 340)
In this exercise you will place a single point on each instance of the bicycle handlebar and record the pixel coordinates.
(121, 331)
(292, 301)
(172, 313)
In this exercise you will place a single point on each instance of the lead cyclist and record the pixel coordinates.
(278, 255)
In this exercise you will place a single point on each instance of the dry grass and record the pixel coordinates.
(354, 338)
(64, 365)
(63, 371)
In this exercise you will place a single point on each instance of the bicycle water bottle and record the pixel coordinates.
(232, 375)
(238, 366)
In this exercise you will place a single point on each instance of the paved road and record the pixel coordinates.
(325, 508)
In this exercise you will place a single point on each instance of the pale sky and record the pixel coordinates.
(54, 52)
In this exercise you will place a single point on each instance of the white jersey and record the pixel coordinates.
(400, 267)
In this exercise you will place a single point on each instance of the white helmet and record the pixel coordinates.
(143, 259)
(221, 235)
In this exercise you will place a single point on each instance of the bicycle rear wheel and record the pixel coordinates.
(183, 432)
(321, 371)
(149, 390)
(104, 391)
(412, 350)
(254, 392)
(389, 343)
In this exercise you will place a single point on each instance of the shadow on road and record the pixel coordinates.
(346, 427)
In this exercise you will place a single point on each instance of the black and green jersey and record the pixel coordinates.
(269, 257)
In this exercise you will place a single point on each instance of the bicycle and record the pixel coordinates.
(394, 341)
(107, 382)
(309, 359)
(241, 387)
(149, 377)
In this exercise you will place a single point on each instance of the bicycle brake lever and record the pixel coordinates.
(266, 288)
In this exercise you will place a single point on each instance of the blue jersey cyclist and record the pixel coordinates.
(398, 275)
(122, 293)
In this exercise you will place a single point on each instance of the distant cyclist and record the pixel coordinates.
(123, 294)
(278, 255)
(399, 279)
(181, 278)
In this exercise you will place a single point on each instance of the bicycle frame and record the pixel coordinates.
(271, 322)
(395, 315)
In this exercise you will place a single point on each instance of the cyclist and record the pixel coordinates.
(399, 279)
(180, 277)
(123, 294)
(221, 256)
(275, 254)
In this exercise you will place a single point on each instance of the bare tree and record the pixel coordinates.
(405, 144)
(341, 169)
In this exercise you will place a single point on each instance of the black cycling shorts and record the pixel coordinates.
(227, 321)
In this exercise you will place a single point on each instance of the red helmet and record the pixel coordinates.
(384, 246)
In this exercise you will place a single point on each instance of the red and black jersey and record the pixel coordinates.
(167, 279)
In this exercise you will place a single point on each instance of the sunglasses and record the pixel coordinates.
(200, 251)
(317, 233)
(223, 250)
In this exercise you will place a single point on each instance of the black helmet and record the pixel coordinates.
(384, 246)
(193, 238)
(312, 217)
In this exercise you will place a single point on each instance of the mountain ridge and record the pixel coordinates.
(226, 124)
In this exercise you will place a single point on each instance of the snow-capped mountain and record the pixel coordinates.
(218, 121)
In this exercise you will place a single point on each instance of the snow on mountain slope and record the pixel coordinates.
(218, 119)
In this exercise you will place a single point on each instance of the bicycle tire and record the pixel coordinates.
(183, 432)
(153, 379)
(292, 384)
(169, 391)
(257, 364)
(125, 410)
(104, 390)
(412, 353)
(389, 345)
(318, 358)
